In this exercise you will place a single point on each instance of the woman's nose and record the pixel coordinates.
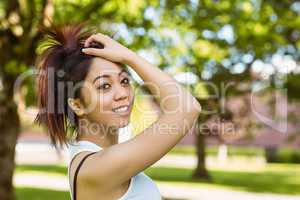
(121, 92)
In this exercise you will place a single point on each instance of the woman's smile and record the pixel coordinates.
(123, 110)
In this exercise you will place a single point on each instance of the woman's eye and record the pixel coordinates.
(126, 80)
(104, 86)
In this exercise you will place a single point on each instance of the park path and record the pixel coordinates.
(43, 153)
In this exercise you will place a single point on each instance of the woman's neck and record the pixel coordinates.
(97, 133)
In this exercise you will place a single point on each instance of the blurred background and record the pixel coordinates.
(240, 59)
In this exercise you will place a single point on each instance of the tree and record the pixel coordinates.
(224, 40)
(19, 39)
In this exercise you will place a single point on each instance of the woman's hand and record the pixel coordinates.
(112, 50)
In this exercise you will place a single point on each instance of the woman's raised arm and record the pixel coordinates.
(180, 111)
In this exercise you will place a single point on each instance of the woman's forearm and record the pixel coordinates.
(173, 98)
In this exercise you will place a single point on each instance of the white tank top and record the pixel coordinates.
(141, 186)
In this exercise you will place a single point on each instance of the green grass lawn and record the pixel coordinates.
(27, 193)
(274, 178)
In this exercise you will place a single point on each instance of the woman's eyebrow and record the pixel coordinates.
(107, 75)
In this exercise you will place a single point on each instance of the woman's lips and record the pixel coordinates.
(123, 113)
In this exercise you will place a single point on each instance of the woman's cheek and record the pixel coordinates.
(103, 108)
(93, 106)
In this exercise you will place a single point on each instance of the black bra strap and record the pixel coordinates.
(76, 173)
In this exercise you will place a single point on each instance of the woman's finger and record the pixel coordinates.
(99, 37)
(95, 52)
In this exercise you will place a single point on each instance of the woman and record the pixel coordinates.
(84, 84)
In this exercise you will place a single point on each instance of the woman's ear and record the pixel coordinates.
(76, 106)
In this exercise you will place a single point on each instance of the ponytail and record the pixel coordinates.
(61, 62)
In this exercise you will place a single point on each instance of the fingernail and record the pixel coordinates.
(83, 49)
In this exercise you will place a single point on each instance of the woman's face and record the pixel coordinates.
(107, 86)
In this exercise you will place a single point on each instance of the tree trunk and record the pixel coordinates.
(201, 171)
(9, 131)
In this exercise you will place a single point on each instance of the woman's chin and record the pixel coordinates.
(124, 123)
(121, 122)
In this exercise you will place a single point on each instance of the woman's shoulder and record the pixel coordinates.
(77, 152)
(77, 147)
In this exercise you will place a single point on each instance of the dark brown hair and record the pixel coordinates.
(60, 65)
